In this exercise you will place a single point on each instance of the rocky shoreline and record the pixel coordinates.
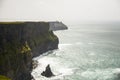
(19, 43)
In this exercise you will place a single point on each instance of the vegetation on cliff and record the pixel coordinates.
(4, 78)
(19, 43)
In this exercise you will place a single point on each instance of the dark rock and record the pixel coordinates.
(47, 72)
(34, 64)
(19, 43)
(54, 26)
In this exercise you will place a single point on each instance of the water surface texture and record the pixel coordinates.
(86, 52)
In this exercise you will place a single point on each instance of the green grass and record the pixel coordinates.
(25, 48)
(11, 22)
(4, 78)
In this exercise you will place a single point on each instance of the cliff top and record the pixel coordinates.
(11, 22)
(20, 22)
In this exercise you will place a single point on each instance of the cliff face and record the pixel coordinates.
(54, 26)
(19, 42)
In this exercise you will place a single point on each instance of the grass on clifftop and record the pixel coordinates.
(19, 22)
(11, 22)
(4, 78)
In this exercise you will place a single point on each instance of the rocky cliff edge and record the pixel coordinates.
(19, 43)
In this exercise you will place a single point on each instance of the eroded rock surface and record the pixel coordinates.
(47, 72)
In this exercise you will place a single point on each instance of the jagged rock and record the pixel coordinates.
(47, 72)
(34, 64)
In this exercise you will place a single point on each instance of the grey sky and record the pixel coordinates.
(62, 10)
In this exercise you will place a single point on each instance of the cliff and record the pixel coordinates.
(19, 43)
(57, 26)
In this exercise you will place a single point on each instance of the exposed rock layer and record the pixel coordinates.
(19, 42)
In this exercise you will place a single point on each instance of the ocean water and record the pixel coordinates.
(86, 52)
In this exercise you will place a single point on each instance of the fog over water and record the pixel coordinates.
(68, 11)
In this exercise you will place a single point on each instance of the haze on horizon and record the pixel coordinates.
(68, 11)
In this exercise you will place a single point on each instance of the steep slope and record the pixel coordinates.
(19, 42)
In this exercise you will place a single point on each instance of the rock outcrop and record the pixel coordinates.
(19, 43)
(47, 72)
(57, 26)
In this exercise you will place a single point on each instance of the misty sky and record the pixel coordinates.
(71, 11)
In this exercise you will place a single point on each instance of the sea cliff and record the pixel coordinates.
(19, 43)
(54, 26)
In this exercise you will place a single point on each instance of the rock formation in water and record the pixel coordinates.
(19, 43)
(47, 72)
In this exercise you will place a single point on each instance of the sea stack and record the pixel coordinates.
(47, 72)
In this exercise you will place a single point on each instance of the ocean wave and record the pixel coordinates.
(69, 44)
(65, 44)
(102, 74)
(60, 70)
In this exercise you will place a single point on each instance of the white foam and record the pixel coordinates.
(79, 43)
(62, 46)
(65, 44)
(102, 74)
(56, 66)
(116, 71)
(65, 71)
(92, 53)
(98, 74)
(91, 43)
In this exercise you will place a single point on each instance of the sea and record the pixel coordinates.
(86, 52)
